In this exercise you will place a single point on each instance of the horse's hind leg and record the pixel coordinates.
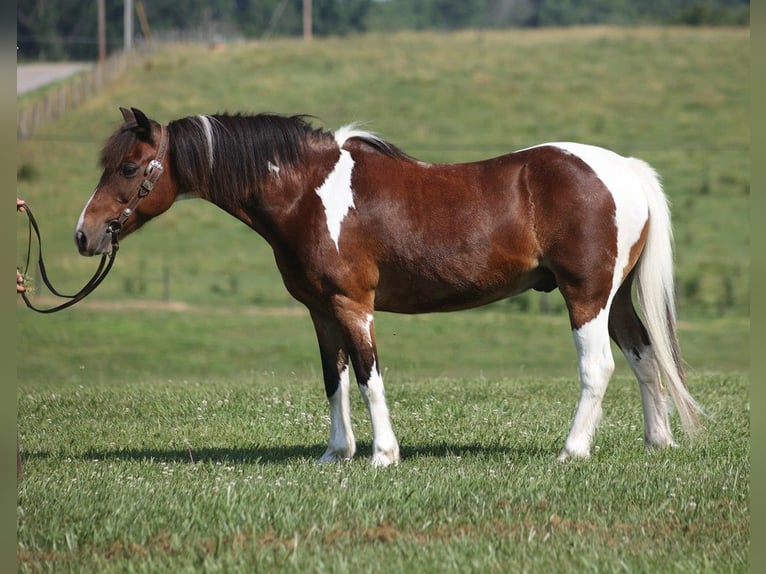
(596, 365)
(627, 330)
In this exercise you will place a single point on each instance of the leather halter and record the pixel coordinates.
(151, 175)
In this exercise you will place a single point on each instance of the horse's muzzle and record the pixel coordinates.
(82, 242)
(89, 248)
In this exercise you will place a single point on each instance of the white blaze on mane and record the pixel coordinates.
(336, 193)
(208, 129)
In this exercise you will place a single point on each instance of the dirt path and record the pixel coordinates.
(32, 76)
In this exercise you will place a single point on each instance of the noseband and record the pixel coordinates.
(151, 175)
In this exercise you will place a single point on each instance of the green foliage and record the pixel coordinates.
(67, 29)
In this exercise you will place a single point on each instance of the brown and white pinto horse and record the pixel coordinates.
(357, 225)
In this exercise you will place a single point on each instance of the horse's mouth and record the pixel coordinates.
(88, 248)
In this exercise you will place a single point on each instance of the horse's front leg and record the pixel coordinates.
(357, 321)
(332, 348)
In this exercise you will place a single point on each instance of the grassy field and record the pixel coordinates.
(181, 436)
(185, 441)
(220, 477)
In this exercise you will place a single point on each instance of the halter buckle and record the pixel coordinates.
(145, 188)
(154, 165)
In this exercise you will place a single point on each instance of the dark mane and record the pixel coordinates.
(245, 150)
(244, 147)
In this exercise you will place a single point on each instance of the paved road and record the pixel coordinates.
(32, 76)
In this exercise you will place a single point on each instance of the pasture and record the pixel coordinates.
(188, 441)
(171, 422)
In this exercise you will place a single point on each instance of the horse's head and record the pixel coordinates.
(130, 191)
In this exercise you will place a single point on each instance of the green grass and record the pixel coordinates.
(675, 97)
(170, 441)
(220, 476)
(87, 346)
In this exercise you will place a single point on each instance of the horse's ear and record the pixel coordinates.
(127, 115)
(137, 122)
(129, 119)
(143, 127)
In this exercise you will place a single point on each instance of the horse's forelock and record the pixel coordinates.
(116, 147)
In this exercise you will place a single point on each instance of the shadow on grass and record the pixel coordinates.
(289, 454)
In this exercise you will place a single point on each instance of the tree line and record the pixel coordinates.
(68, 29)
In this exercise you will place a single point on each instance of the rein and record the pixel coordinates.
(95, 281)
(151, 175)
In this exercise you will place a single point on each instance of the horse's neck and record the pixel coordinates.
(282, 198)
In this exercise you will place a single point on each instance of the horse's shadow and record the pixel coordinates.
(292, 454)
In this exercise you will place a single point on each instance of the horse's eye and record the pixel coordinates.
(128, 169)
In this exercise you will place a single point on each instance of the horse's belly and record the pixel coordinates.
(399, 291)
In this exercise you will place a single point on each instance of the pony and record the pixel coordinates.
(357, 226)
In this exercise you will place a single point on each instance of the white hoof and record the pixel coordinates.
(385, 457)
(573, 454)
(332, 455)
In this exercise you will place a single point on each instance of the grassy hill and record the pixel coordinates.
(675, 97)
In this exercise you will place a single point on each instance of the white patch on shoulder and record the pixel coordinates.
(336, 194)
(631, 206)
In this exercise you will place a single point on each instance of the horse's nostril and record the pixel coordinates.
(82, 240)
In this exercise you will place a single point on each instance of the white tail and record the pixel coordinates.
(657, 298)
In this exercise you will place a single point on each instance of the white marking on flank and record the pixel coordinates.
(273, 168)
(208, 129)
(630, 203)
(336, 195)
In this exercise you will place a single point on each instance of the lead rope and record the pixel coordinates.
(101, 272)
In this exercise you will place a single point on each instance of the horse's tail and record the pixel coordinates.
(657, 299)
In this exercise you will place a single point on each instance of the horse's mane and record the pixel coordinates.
(247, 149)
